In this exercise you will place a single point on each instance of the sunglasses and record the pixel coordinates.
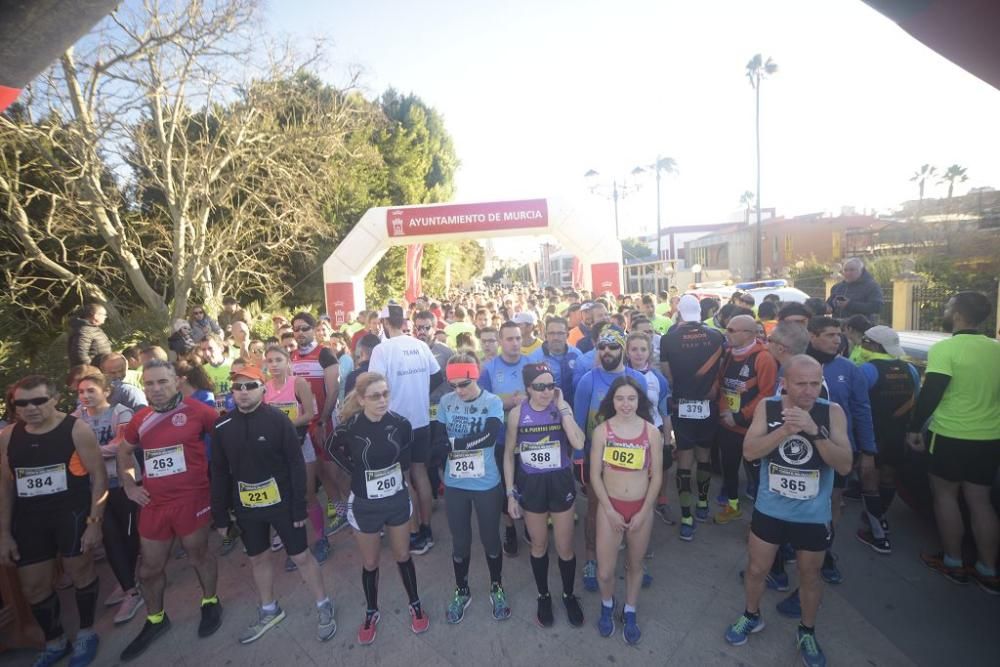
(25, 402)
(247, 386)
(543, 386)
(614, 347)
(302, 328)
(730, 330)
(377, 395)
(460, 385)
(422, 327)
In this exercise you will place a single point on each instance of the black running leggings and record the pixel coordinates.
(459, 504)
(121, 536)
(731, 452)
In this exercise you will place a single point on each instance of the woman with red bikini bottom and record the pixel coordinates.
(625, 473)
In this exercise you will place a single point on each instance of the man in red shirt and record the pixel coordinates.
(175, 496)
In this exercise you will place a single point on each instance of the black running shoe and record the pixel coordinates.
(149, 633)
(573, 610)
(211, 619)
(544, 615)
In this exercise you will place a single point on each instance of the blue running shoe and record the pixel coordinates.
(630, 629)
(774, 582)
(701, 513)
(321, 550)
(50, 655)
(84, 650)
(830, 572)
(791, 606)
(722, 500)
(687, 531)
(590, 575)
(744, 626)
(647, 578)
(812, 654)
(787, 552)
(606, 623)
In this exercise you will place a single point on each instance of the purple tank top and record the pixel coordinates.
(541, 441)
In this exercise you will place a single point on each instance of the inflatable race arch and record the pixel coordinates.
(578, 232)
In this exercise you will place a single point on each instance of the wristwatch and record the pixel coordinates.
(823, 433)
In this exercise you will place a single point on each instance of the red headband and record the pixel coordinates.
(462, 371)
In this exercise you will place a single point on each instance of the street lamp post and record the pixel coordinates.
(617, 192)
(757, 70)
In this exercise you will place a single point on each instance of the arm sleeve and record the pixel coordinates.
(767, 376)
(131, 433)
(81, 347)
(485, 379)
(296, 468)
(136, 398)
(436, 379)
(220, 484)
(930, 396)
(405, 456)
(488, 437)
(327, 358)
(581, 402)
(664, 393)
(870, 305)
(870, 374)
(338, 449)
(861, 413)
(376, 363)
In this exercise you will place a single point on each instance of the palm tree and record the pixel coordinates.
(921, 177)
(747, 200)
(757, 70)
(952, 174)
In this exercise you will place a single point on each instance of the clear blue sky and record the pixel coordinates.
(537, 93)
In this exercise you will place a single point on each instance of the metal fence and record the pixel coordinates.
(812, 285)
(885, 316)
(929, 302)
(928, 306)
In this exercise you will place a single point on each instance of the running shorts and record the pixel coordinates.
(177, 519)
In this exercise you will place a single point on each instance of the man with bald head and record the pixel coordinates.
(747, 377)
(115, 367)
(857, 293)
(800, 440)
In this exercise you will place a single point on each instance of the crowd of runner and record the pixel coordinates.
(506, 404)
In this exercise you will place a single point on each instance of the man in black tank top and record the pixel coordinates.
(52, 490)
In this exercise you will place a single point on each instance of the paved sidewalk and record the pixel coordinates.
(695, 595)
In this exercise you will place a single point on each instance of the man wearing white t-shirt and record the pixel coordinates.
(411, 372)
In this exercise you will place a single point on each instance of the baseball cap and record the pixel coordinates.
(689, 308)
(525, 317)
(887, 338)
(248, 371)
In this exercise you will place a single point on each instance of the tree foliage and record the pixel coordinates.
(165, 163)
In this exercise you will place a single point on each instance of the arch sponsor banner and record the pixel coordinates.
(606, 277)
(463, 218)
(339, 302)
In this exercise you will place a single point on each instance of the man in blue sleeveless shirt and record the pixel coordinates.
(801, 440)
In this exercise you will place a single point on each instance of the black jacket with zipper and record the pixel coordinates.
(253, 447)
